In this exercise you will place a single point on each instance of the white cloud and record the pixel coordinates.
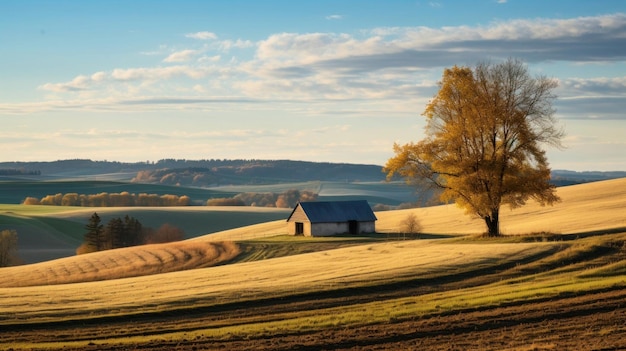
(383, 65)
(226, 45)
(158, 73)
(181, 56)
(215, 58)
(79, 83)
(202, 35)
(334, 17)
(98, 76)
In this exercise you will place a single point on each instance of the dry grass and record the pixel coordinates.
(120, 263)
(107, 290)
(353, 266)
(255, 231)
(584, 208)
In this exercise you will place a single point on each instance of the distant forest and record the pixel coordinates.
(16, 172)
(216, 172)
(208, 172)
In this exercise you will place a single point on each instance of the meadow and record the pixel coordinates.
(50, 232)
(556, 281)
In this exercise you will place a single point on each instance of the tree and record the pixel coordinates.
(485, 128)
(410, 224)
(114, 234)
(133, 232)
(95, 233)
(8, 247)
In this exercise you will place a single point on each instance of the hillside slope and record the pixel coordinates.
(584, 208)
(458, 293)
(120, 263)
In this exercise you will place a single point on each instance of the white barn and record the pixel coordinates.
(324, 218)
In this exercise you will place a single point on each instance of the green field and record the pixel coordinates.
(392, 193)
(14, 192)
(49, 232)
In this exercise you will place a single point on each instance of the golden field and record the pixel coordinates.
(203, 274)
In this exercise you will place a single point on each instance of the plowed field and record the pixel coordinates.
(594, 321)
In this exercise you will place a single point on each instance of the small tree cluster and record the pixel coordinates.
(124, 232)
(287, 199)
(117, 233)
(123, 199)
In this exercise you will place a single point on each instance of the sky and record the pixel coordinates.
(325, 81)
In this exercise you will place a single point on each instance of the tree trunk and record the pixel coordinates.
(493, 224)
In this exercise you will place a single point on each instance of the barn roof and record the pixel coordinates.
(337, 211)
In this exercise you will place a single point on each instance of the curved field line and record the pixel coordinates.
(120, 263)
(346, 267)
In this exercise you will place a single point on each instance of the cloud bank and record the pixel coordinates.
(385, 64)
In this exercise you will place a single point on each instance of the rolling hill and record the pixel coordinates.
(51, 232)
(556, 283)
(585, 210)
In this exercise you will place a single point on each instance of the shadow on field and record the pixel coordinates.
(567, 237)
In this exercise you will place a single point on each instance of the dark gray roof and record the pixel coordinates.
(337, 211)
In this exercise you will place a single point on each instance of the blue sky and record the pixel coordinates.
(329, 81)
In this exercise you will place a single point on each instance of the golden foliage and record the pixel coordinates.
(484, 130)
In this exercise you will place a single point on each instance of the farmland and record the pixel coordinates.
(49, 232)
(555, 282)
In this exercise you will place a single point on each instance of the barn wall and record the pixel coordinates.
(367, 227)
(291, 228)
(326, 229)
(298, 215)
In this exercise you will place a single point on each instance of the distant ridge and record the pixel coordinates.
(205, 172)
(211, 172)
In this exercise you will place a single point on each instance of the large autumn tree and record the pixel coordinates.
(485, 131)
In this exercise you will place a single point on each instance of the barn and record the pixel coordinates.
(324, 218)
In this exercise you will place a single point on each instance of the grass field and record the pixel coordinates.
(558, 282)
(392, 193)
(14, 192)
(49, 232)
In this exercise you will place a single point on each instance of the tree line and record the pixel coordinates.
(16, 171)
(124, 232)
(286, 199)
(123, 199)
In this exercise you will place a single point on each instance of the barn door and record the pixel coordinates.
(299, 228)
(353, 227)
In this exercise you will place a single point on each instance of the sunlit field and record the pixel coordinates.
(584, 208)
(201, 290)
(120, 263)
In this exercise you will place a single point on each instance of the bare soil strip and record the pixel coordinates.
(593, 321)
